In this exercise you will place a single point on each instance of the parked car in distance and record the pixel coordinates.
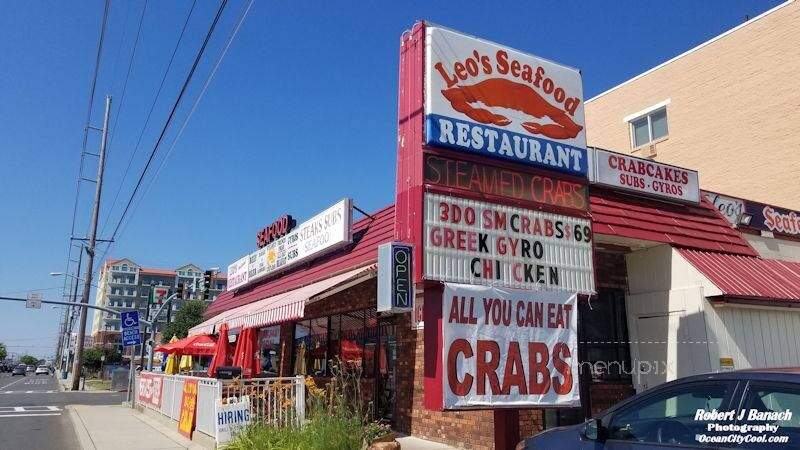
(19, 370)
(42, 370)
(664, 417)
(31, 368)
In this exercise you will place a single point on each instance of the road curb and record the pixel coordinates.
(82, 434)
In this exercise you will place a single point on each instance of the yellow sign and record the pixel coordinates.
(188, 408)
(726, 364)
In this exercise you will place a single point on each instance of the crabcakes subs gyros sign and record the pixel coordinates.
(487, 99)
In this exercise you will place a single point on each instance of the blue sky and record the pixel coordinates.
(301, 113)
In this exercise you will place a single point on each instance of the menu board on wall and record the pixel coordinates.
(474, 242)
(327, 231)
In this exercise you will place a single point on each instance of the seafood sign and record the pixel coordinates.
(509, 347)
(491, 100)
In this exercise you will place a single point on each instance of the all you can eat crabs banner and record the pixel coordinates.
(491, 100)
(509, 347)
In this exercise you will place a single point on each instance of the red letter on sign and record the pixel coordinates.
(538, 356)
(488, 368)
(460, 388)
(514, 373)
(561, 352)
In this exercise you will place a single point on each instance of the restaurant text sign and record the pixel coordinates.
(489, 179)
(327, 231)
(509, 347)
(645, 176)
(468, 241)
(491, 100)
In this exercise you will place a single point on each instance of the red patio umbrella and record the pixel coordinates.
(220, 351)
(244, 355)
(200, 345)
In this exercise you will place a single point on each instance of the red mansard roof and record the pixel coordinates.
(689, 226)
(368, 234)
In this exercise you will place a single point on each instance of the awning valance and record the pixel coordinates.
(746, 277)
(281, 307)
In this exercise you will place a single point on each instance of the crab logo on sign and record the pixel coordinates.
(488, 99)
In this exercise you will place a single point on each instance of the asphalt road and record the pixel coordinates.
(32, 414)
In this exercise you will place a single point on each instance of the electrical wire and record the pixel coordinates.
(147, 119)
(168, 122)
(234, 32)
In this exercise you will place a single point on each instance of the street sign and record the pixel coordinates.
(34, 301)
(130, 328)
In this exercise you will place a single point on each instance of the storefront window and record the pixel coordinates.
(269, 353)
(311, 347)
(603, 333)
(349, 337)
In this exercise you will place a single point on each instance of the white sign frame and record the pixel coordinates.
(571, 259)
(490, 99)
(325, 232)
(469, 315)
(34, 300)
(225, 432)
(686, 189)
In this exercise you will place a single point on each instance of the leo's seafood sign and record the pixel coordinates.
(495, 101)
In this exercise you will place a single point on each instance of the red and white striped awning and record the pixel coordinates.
(281, 307)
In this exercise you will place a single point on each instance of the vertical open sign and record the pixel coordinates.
(395, 286)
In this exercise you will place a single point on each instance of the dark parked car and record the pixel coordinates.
(19, 370)
(671, 415)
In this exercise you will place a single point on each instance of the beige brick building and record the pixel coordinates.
(732, 108)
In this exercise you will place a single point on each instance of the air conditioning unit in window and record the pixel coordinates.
(649, 151)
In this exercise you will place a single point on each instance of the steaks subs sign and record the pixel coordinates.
(488, 99)
(509, 347)
(327, 231)
(475, 242)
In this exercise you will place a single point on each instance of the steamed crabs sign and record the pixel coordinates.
(509, 347)
(491, 100)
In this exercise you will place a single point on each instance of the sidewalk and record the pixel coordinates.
(415, 443)
(118, 427)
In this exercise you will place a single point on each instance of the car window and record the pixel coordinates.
(776, 398)
(668, 416)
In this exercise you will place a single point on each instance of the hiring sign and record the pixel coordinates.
(509, 347)
(327, 231)
(645, 177)
(491, 100)
(469, 241)
(395, 287)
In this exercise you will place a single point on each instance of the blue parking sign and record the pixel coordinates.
(130, 328)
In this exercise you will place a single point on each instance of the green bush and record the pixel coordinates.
(337, 420)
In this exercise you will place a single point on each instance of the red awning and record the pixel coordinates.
(746, 277)
(200, 345)
(689, 226)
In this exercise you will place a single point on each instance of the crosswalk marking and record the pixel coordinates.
(52, 391)
(29, 411)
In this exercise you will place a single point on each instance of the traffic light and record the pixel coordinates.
(180, 291)
(206, 287)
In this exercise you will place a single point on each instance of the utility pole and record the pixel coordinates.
(70, 310)
(90, 250)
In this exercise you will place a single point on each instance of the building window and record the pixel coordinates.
(220, 286)
(603, 334)
(649, 125)
(350, 338)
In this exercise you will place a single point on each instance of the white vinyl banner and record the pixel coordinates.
(509, 347)
(645, 176)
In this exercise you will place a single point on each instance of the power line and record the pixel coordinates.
(234, 32)
(171, 115)
(147, 119)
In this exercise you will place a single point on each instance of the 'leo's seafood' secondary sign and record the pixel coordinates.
(491, 100)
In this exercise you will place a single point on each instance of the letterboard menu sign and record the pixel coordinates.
(475, 242)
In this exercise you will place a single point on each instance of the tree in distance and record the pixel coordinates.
(189, 315)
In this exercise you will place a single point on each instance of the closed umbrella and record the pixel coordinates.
(186, 363)
(220, 352)
(171, 367)
(244, 355)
